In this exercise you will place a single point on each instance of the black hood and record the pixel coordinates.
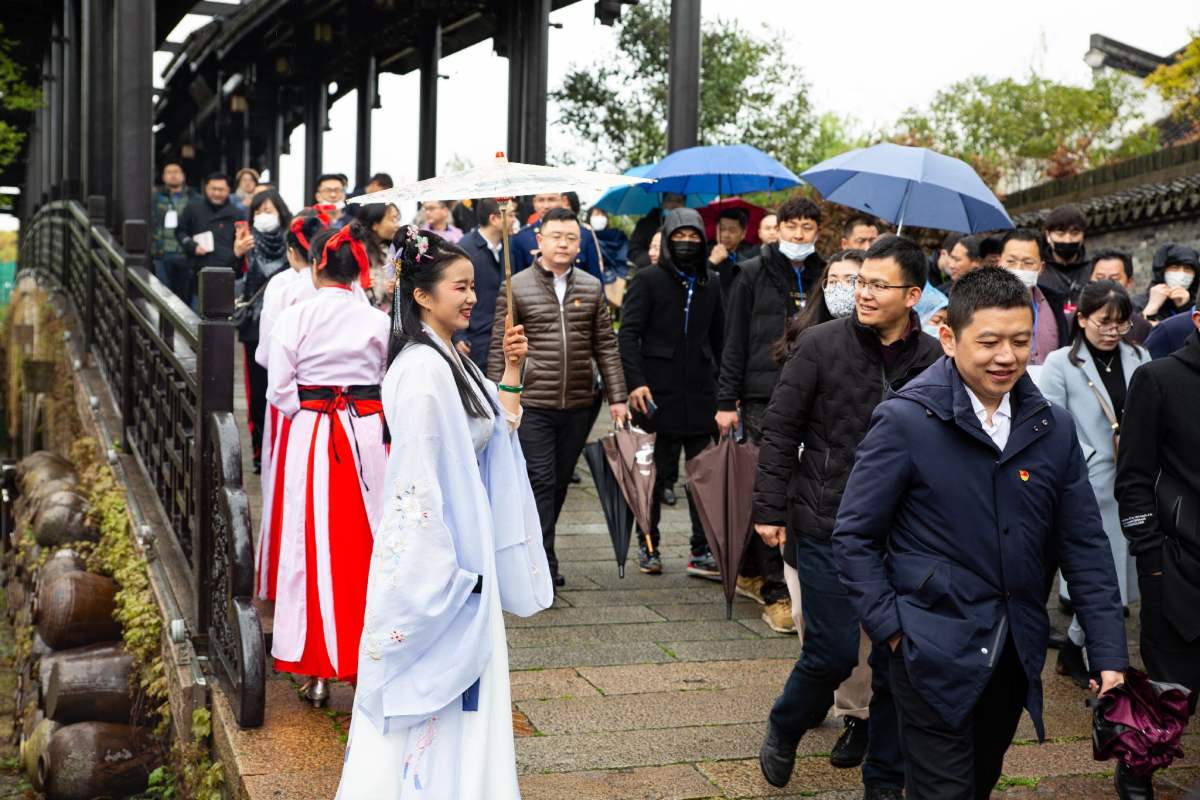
(673, 220)
(1175, 255)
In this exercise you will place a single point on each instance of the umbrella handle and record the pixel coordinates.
(507, 261)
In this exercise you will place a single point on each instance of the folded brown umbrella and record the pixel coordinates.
(630, 453)
(721, 483)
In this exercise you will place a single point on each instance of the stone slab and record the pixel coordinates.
(742, 609)
(541, 684)
(686, 676)
(783, 647)
(673, 709)
(591, 655)
(743, 778)
(566, 615)
(713, 630)
(637, 597)
(675, 782)
(624, 749)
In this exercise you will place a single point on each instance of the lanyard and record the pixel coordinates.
(799, 286)
(687, 305)
(1034, 350)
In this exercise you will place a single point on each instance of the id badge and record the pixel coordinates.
(171, 219)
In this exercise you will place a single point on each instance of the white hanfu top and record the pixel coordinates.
(460, 507)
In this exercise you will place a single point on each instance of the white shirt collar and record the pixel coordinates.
(1001, 423)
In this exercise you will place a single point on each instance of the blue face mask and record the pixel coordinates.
(795, 251)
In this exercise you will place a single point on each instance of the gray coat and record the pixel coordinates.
(1067, 385)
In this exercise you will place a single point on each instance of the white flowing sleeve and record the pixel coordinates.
(282, 391)
(418, 595)
(522, 570)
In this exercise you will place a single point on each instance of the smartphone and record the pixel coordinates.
(241, 226)
(651, 408)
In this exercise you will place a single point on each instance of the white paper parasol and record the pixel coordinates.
(502, 179)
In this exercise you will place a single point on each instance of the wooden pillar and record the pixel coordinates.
(368, 98)
(96, 129)
(135, 111)
(516, 80)
(431, 55)
(683, 75)
(536, 40)
(71, 100)
(316, 112)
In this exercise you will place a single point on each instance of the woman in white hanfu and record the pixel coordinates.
(458, 543)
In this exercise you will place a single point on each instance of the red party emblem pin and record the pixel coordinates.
(1024, 474)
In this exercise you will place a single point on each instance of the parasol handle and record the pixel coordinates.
(504, 224)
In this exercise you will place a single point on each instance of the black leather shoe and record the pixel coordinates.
(851, 746)
(882, 793)
(1057, 640)
(576, 477)
(1071, 664)
(776, 758)
(1133, 787)
(559, 580)
(669, 496)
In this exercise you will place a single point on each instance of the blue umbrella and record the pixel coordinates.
(640, 199)
(721, 170)
(910, 185)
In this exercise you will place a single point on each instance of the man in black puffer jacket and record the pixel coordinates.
(769, 291)
(818, 415)
(670, 340)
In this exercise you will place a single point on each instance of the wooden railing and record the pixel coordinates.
(170, 374)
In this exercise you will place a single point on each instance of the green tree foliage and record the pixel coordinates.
(15, 96)
(1017, 133)
(1179, 84)
(749, 93)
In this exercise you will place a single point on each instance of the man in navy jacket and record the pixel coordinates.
(952, 574)
(485, 249)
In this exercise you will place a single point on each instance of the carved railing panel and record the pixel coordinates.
(171, 376)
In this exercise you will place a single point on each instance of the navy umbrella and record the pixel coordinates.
(910, 185)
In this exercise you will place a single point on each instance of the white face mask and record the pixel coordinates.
(266, 223)
(1029, 277)
(839, 299)
(1178, 278)
(599, 222)
(796, 251)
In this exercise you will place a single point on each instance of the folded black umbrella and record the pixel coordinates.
(617, 514)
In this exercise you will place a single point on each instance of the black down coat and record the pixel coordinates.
(672, 344)
(826, 393)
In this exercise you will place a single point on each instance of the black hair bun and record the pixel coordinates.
(413, 247)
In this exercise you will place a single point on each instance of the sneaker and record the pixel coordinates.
(778, 617)
(851, 746)
(751, 588)
(704, 566)
(1071, 664)
(649, 563)
(669, 496)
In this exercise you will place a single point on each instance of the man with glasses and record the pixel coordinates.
(811, 431)
(1022, 253)
(565, 314)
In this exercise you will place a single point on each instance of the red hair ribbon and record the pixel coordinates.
(321, 212)
(356, 249)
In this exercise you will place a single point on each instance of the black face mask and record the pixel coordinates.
(1067, 251)
(687, 256)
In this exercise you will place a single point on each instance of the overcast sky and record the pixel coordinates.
(869, 60)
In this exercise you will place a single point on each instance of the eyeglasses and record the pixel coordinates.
(877, 287)
(1119, 328)
(1023, 263)
(555, 238)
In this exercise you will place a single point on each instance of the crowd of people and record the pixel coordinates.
(940, 435)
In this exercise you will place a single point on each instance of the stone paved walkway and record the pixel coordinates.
(641, 688)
